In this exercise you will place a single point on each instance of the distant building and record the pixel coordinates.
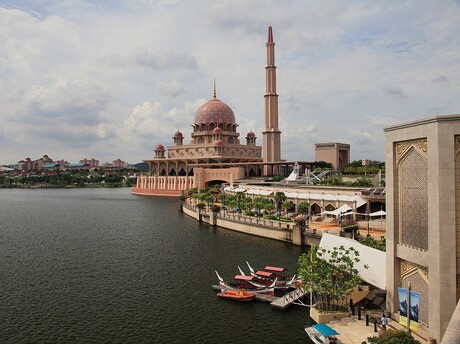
(29, 164)
(337, 154)
(92, 162)
(119, 163)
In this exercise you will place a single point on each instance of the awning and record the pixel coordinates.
(243, 278)
(325, 330)
(263, 273)
(378, 213)
(344, 210)
(274, 268)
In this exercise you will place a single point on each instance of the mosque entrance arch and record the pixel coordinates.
(215, 182)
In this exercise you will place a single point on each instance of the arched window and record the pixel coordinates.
(230, 140)
(211, 126)
(201, 140)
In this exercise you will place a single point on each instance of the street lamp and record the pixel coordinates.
(368, 229)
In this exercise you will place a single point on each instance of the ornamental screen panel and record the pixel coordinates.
(413, 193)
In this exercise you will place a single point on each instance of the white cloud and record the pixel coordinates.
(113, 80)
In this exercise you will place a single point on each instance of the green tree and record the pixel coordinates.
(280, 198)
(288, 206)
(329, 275)
(303, 207)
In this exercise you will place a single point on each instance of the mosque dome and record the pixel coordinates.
(217, 130)
(251, 134)
(214, 111)
(219, 143)
(160, 147)
(178, 134)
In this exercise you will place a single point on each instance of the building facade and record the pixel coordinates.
(337, 154)
(423, 217)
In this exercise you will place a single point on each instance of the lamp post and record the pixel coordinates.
(368, 229)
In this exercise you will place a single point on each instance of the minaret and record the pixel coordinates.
(272, 135)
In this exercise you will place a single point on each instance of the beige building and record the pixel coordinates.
(423, 217)
(337, 154)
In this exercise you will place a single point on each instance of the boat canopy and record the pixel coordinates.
(325, 330)
(264, 273)
(274, 268)
(244, 278)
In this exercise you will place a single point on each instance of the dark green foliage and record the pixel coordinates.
(393, 337)
(371, 242)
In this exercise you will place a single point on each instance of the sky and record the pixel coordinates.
(112, 79)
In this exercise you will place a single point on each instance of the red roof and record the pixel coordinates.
(263, 273)
(243, 278)
(274, 268)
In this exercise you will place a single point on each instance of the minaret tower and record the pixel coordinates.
(272, 135)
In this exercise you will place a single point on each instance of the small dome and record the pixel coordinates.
(217, 130)
(160, 147)
(219, 143)
(178, 134)
(251, 134)
(214, 111)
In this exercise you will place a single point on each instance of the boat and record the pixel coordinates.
(242, 283)
(263, 279)
(322, 334)
(240, 295)
(274, 272)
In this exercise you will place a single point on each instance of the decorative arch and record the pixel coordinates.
(315, 208)
(329, 207)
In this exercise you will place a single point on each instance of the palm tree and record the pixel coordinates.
(280, 198)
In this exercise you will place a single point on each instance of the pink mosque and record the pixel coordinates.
(215, 152)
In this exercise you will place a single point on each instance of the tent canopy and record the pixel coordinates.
(378, 213)
(344, 210)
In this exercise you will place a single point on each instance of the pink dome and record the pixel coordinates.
(217, 130)
(178, 134)
(219, 143)
(214, 111)
(251, 134)
(160, 147)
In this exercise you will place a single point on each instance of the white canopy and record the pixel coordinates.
(378, 213)
(375, 259)
(344, 210)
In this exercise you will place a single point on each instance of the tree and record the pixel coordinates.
(303, 207)
(286, 206)
(329, 275)
(280, 198)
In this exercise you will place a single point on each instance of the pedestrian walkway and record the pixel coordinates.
(354, 331)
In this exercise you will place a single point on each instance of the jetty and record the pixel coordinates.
(280, 302)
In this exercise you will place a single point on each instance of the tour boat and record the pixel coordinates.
(273, 272)
(263, 279)
(322, 334)
(240, 295)
(242, 283)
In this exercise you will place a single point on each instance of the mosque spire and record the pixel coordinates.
(214, 96)
(270, 35)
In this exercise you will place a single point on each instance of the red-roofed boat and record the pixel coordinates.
(245, 283)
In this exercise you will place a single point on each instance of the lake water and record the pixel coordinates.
(105, 266)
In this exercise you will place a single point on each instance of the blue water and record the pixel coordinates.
(105, 266)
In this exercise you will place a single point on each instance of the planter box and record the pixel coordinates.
(320, 318)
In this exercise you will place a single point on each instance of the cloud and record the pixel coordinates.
(173, 88)
(440, 80)
(394, 91)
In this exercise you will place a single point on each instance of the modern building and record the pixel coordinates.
(337, 154)
(92, 162)
(423, 217)
(215, 153)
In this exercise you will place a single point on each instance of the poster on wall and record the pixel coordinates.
(414, 310)
(402, 306)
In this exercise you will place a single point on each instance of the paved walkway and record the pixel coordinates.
(354, 331)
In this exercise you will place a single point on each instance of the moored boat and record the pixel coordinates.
(270, 273)
(242, 283)
(322, 334)
(240, 295)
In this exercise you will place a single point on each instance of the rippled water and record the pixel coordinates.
(104, 266)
